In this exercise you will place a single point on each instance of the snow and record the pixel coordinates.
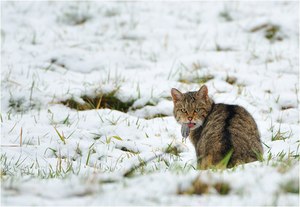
(55, 51)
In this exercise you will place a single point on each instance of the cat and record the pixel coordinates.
(217, 130)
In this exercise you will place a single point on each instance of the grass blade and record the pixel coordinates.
(62, 138)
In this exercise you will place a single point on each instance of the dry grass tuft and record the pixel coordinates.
(99, 101)
(199, 187)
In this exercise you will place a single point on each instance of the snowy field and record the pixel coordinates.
(86, 110)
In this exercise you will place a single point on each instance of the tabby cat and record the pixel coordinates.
(217, 131)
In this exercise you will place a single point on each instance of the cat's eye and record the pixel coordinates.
(183, 111)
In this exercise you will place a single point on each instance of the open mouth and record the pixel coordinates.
(191, 125)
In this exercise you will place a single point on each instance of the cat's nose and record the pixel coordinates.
(190, 118)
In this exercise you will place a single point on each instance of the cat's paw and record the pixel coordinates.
(185, 130)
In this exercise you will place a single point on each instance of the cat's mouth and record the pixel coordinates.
(191, 125)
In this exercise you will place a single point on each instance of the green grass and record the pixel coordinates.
(222, 188)
(149, 103)
(15, 169)
(231, 80)
(169, 158)
(279, 134)
(75, 14)
(156, 116)
(110, 101)
(220, 48)
(199, 187)
(99, 101)
(225, 15)
(271, 31)
(22, 105)
(16, 103)
(61, 136)
(282, 161)
(291, 186)
(196, 79)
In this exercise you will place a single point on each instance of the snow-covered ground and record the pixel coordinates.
(54, 52)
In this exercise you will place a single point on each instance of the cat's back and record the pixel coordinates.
(220, 117)
(229, 127)
(230, 118)
(216, 129)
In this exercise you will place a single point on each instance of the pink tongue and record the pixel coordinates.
(190, 125)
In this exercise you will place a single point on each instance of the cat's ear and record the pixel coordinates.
(176, 95)
(202, 94)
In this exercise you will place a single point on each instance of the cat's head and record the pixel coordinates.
(191, 108)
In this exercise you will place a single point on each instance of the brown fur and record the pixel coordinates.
(219, 129)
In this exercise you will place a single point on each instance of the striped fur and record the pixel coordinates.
(219, 129)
